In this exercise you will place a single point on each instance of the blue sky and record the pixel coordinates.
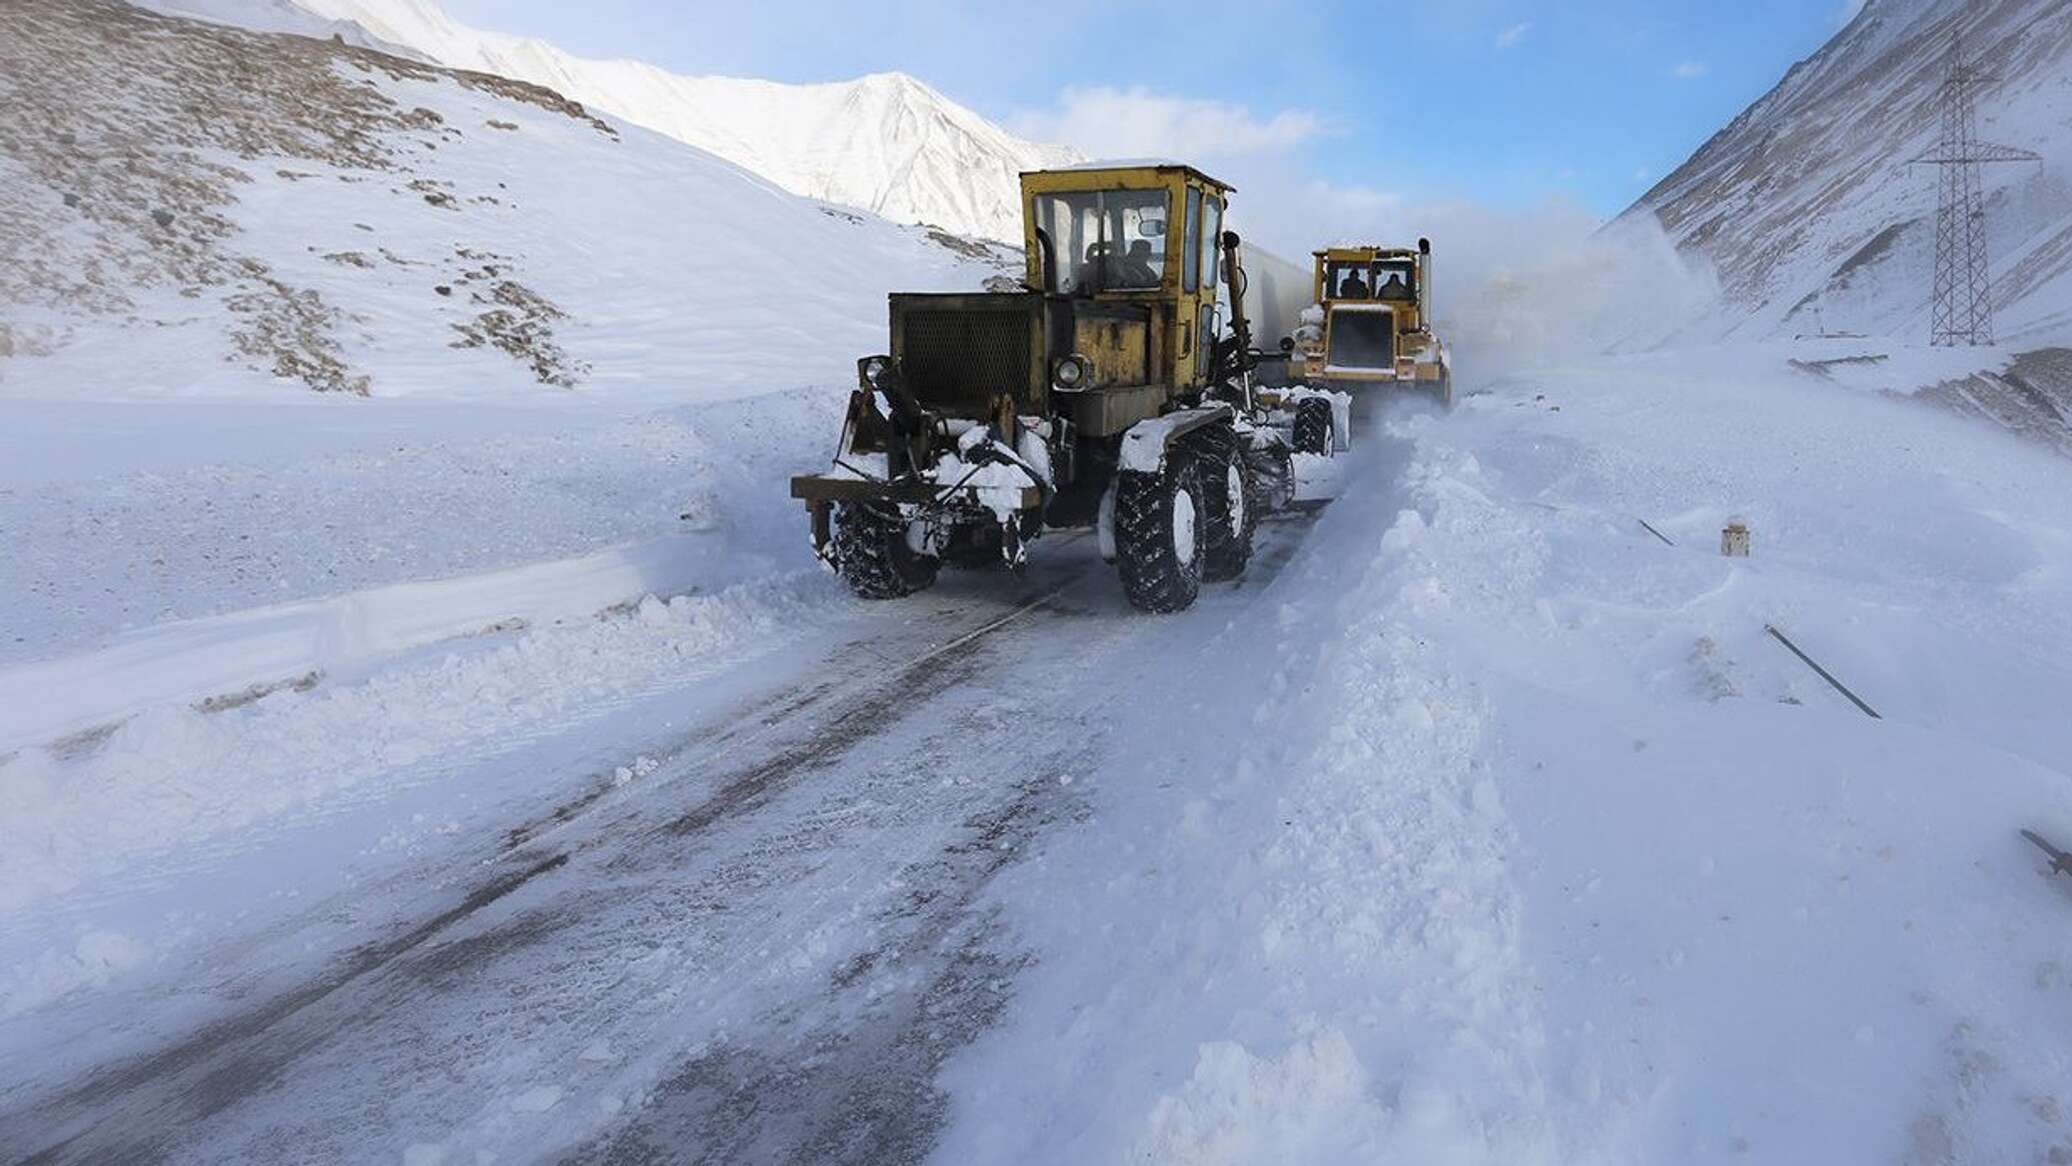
(1507, 104)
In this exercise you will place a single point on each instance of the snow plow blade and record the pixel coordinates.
(813, 488)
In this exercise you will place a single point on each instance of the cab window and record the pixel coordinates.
(1396, 280)
(1190, 246)
(1392, 279)
(1348, 280)
(1106, 240)
(1212, 219)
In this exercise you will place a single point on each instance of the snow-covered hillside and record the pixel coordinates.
(1806, 206)
(279, 16)
(200, 224)
(180, 194)
(886, 142)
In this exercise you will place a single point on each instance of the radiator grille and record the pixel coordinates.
(1363, 340)
(953, 358)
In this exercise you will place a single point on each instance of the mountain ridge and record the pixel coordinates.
(885, 142)
(1806, 209)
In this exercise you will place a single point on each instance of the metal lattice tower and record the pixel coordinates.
(1963, 282)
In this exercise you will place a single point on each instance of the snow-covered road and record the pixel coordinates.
(757, 933)
(1479, 823)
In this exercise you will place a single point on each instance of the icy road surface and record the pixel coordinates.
(753, 937)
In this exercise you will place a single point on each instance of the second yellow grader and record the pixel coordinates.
(1371, 327)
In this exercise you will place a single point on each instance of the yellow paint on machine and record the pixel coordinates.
(1355, 286)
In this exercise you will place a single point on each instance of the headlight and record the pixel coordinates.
(1074, 371)
(871, 368)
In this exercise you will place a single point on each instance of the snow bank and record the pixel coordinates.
(1293, 937)
(248, 652)
(174, 779)
(134, 517)
(1511, 836)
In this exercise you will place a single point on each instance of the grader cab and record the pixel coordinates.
(1371, 327)
(1110, 391)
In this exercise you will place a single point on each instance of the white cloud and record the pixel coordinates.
(1510, 37)
(1691, 70)
(1352, 199)
(1106, 122)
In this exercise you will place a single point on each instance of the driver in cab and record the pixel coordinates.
(1136, 266)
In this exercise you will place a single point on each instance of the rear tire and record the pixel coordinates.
(1316, 425)
(1230, 507)
(1158, 544)
(873, 556)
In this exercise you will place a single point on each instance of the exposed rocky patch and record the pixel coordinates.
(1006, 259)
(2033, 397)
(127, 140)
(522, 324)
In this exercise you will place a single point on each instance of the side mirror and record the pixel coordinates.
(1151, 228)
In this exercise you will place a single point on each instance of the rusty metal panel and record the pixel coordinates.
(958, 353)
(1118, 344)
(1107, 412)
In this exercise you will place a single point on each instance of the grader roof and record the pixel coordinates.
(1117, 166)
(1359, 253)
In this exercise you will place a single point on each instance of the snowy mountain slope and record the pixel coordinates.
(279, 16)
(1805, 205)
(200, 209)
(886, 142)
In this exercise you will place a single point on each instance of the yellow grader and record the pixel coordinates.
(1112, 390)
(1371, 326)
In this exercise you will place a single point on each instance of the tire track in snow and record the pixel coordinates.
(142, 1108)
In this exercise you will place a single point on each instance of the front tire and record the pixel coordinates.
(1230, 505)
(1158, 529)
(1316, 426)
(873, 556)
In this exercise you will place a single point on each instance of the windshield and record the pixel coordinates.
(1106, 240)
(1394, 279)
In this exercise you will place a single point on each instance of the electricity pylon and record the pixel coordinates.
(1963, 281)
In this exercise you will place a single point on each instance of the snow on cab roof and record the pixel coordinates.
(1131, 164)
(1120, 163)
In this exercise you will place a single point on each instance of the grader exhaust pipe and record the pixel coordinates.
(1424, 281)
(1234, 278)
